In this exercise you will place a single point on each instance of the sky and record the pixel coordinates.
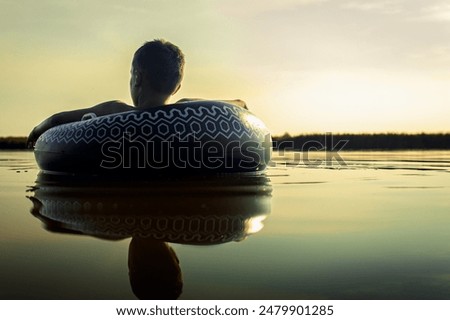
(302, 66)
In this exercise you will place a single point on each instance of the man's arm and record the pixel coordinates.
(236, 102)
(57, 119)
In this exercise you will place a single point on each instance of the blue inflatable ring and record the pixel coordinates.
(200, 137)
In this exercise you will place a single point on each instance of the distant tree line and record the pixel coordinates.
(13, 143)
(348, 141)
(376, 141)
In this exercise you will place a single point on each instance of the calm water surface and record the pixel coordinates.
(374, 227)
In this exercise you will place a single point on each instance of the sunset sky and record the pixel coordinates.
(301, 65)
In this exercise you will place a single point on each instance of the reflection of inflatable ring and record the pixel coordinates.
(203, 136)
(206, 211)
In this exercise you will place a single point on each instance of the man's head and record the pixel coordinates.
(157, 69)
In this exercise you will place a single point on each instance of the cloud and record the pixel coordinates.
(238, 7)
(386, 7)
(439, 12)
(431, 10)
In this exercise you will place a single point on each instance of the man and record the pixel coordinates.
(156, 74)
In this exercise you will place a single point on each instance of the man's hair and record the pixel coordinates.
(162, 63)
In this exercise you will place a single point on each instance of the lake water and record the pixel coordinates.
(368, 225)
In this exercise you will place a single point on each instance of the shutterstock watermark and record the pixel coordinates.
(191, 152)
(313, 153)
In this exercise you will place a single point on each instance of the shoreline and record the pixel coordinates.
(328, 141)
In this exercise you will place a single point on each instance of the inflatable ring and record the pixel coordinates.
(200, 136)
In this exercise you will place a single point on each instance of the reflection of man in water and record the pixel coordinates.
(154, 270)
(156, 74)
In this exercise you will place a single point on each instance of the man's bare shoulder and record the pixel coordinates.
(109, 107)
(236, 102)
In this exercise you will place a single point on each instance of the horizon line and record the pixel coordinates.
(311, 133)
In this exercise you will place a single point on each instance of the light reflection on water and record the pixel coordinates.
(374, 228)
